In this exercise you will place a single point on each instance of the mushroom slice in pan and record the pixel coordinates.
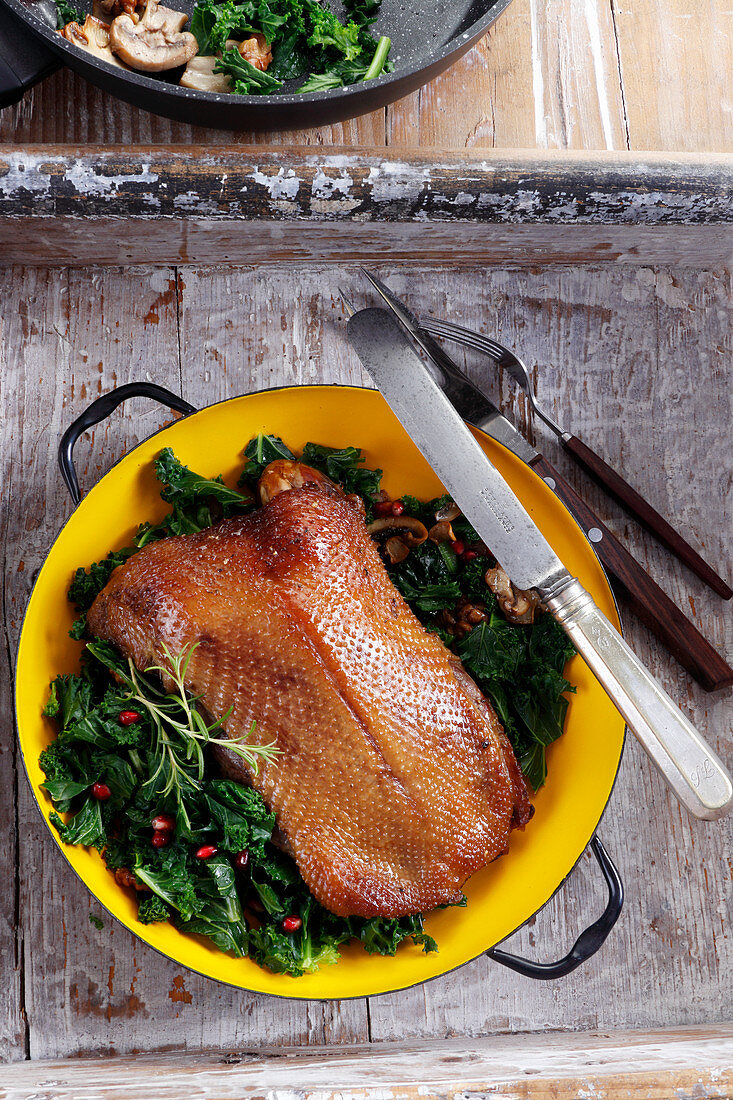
(155, 43)
(107, 10)
(442, 531)
(200, 75)
(92, 36)
(398, 534)
(518, 606)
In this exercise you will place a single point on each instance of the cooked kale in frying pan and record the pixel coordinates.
(256, 47)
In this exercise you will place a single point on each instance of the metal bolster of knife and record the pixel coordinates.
(565, 598)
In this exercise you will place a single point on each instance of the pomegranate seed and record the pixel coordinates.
(292, 924)
(163, 823)
(101, 791)
(458, 547)
(128, 717)
(397, 508)
(161, 838)
(469, 555)
(383, 508)
(206, 851)
(241, 860)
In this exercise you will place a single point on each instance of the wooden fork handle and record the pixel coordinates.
(647, 516)
(648, 601)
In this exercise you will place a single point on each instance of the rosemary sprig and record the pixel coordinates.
(180, 731)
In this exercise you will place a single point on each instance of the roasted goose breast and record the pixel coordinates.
(395, 781)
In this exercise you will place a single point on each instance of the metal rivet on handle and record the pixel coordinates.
(595, 535)
(550, 481)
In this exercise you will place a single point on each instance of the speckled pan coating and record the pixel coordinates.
(427, 36)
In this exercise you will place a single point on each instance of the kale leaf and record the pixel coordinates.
(151, 909)
(67, 13)
(85, 827)
(328, 32)
(260, 452)
(345, 467)
(240, 814)
(184, 488)
(247, 79)
(521, 669)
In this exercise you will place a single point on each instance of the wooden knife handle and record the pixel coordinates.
(649, 602)
(647, 516)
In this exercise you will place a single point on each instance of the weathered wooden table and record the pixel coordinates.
(612, 276)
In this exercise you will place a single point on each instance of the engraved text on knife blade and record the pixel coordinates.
(488, 498)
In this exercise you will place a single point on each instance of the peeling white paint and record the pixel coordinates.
(25, 174)
(325, 187)
(395, 181)
(88, 180)
(284, 184)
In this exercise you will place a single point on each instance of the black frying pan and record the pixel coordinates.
(427, 36)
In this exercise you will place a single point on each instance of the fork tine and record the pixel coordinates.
(463, 336)
(477, 339)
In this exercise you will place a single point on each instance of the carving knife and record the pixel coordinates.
(650, 603)
(689, 765)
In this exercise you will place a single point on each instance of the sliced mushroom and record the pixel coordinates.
(449, 511)
(92, 36)
(518, 606)
(283, 474)
(156, 42)
(99, 12)
(396, 549)
(200, 75)
(410, 530)
(442, 532)
(107, 10)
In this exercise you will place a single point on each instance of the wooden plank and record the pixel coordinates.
(13, 1027)
(652, 1065)
(75, 242)
(690, 48)
(357, 186)
(602, 342)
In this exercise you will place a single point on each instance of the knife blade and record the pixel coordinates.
(690, 766)
(650, 603)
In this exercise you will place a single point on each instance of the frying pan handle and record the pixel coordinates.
(100, 410)
(588, 942)
(24, 59)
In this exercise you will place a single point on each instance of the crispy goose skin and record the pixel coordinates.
(395, 780)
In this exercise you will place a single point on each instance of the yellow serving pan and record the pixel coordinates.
(582, 765)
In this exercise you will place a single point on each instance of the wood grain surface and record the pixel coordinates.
(637, 361)
(571, 74)
(691, 1063)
